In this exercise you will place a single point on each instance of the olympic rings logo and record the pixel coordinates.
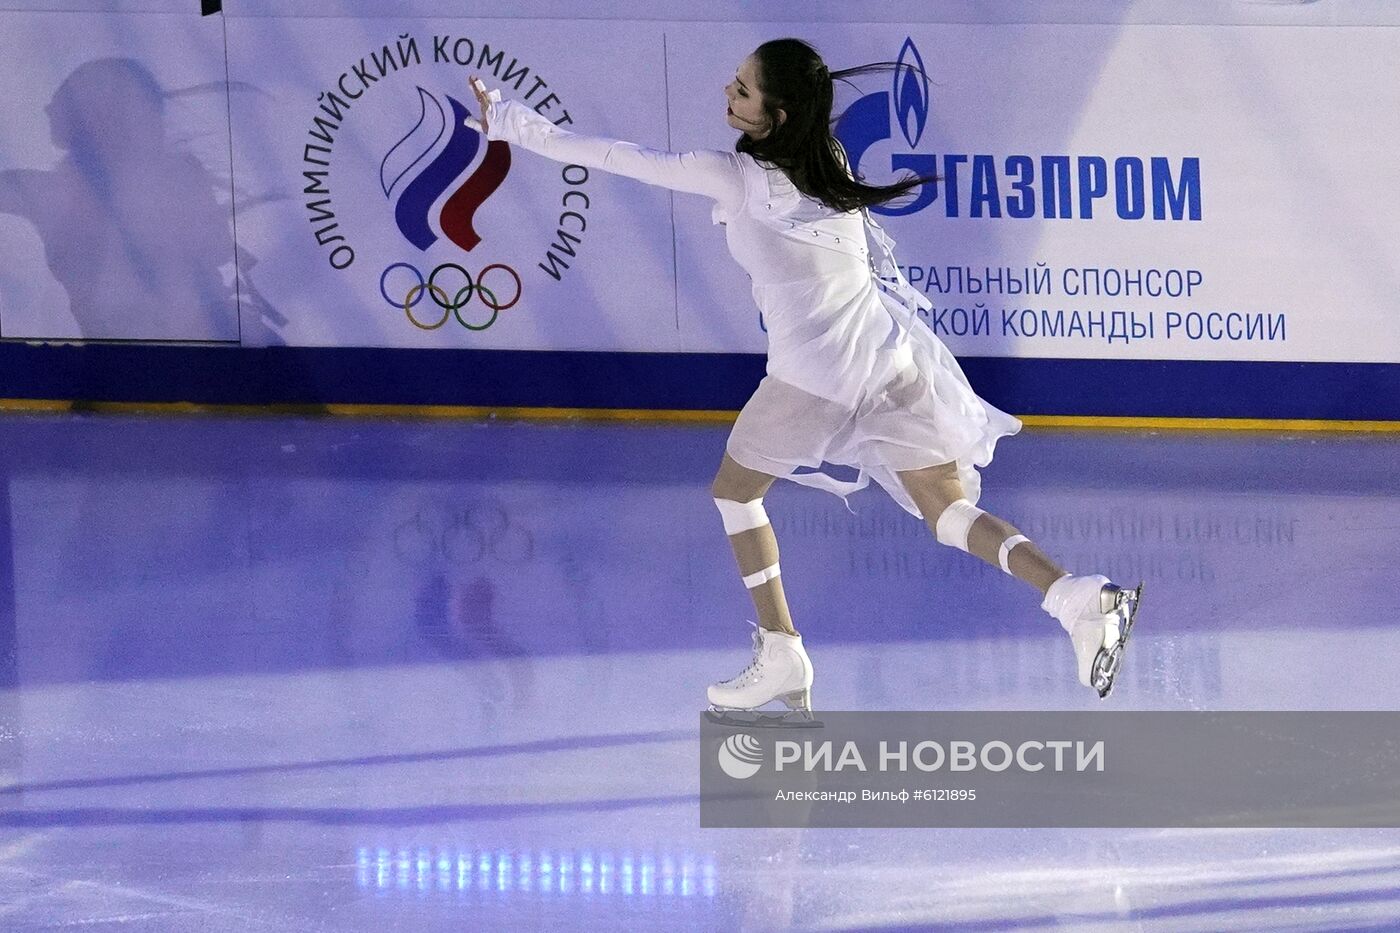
(450, 307)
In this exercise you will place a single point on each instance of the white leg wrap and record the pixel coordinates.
(761, 577)
(741, 516)
(1004, 556)
(953, 524)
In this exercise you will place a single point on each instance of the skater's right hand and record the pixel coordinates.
(484, 100)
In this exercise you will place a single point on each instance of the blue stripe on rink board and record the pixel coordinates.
(719, 381)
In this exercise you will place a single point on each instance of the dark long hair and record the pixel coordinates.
(792, 77)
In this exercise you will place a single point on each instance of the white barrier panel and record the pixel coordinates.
(1109, 191)
(114, 178)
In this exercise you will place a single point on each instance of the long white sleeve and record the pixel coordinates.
(711, 172)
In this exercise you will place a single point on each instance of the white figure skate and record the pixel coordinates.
(780, 670)
(1098, 615)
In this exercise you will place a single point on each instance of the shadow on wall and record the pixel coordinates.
(132, 225)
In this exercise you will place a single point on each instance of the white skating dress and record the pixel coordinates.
(854, 377)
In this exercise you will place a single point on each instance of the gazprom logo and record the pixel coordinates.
(437, 156)
(1017, 186)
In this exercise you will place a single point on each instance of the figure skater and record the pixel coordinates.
(852, 378)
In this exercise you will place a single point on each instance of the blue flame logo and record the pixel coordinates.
(911, 92)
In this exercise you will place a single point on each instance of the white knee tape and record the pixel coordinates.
(1004, 556)
(741, 516)
(954, 523)
(761, 577)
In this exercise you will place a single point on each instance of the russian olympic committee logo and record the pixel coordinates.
(740, 756)
(868, 121)
(437, 177)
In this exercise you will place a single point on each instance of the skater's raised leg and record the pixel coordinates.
(1096, 613)
(938, 493)
(780, 668)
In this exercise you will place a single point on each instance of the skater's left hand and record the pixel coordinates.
(484, 100)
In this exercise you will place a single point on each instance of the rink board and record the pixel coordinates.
(1114, 235)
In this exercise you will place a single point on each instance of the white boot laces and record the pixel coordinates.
(756, 664)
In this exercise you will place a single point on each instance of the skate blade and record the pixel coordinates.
(1128, 601)
(757, 719)
(1109, 660)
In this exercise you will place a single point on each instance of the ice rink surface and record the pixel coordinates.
(302, 674)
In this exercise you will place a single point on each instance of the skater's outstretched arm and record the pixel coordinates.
(711, 172)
